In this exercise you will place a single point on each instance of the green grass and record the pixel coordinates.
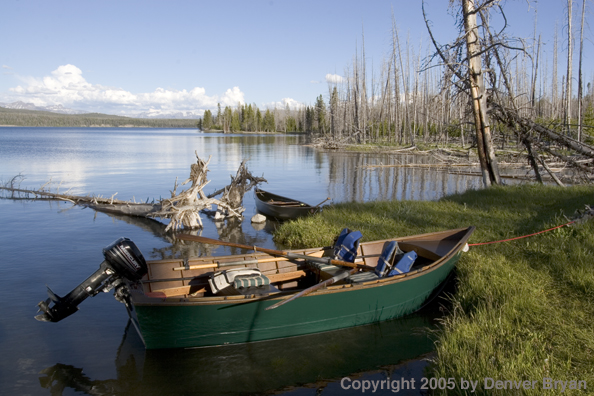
(524, 309)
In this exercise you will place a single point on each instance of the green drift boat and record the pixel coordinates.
(193, 303)
(183, 312)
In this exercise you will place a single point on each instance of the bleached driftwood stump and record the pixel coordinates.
(183, 208)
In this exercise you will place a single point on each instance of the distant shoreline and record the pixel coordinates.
(39, 118)
(96, 126)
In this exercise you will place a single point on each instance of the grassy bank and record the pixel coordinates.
(524, 309)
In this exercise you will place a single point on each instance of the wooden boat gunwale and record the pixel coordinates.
(201, 300)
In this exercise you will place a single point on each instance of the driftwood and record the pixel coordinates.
(181, 208)
(232, 197)
(44, 193)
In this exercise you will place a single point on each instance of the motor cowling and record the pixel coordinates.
(123, 260)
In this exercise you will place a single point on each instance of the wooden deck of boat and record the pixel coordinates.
(166, 278)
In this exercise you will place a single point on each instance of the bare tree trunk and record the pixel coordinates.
(356, 98)
(404, 80)
(385, 93)
(364, 88)
(486, 153)
(397, 112)
(580, 83)
(554, 83)
(533, 96)
(534, 56)
(569, 65)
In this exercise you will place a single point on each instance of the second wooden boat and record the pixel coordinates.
(280, 207)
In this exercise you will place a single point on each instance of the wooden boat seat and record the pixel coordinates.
(392, 261)
(346, 248)
(285, 203)
(361, 277)
(324, 271)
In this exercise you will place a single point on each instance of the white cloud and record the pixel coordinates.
(334, 78)
(67, 86)
(292, 103)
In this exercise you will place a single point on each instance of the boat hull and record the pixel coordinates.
(183, 323)
(281, 212)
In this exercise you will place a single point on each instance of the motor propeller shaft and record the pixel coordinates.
(123, 260)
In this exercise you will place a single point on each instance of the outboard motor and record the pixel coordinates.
(122, 260)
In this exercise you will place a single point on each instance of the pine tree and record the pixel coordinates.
(309, 119)
(235, 121)
(218, 120)
(269, 124)
(227, 119)
(258, 120)
(321, 115)
(207, 120)
(250, 119)
(291, 124)
(334, 113)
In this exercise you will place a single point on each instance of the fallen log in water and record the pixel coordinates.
(181, 208)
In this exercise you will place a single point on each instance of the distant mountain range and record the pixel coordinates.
(189, 115)
(30, 106)
(63, 110)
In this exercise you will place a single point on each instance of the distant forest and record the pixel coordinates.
(249, 118)
(35, 118)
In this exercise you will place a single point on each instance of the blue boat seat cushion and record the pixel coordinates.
(390, 254)
(346, 245)
(345, 248)
(382, 268)
(405, 262)
(384, 261)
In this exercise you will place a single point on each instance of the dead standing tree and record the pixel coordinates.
(502, 103)
(478, 91)
(472, 82)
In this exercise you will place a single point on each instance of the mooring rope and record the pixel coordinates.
(523, 236)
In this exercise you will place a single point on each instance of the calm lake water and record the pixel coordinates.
(94, 351)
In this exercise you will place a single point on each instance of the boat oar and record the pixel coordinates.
(327, 282)
(322, 202)
(218, 264)
(289, 255)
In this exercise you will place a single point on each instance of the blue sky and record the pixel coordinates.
(128, 57)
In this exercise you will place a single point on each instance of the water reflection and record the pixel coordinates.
(315, 361)
(229, 230)
(365, 177)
